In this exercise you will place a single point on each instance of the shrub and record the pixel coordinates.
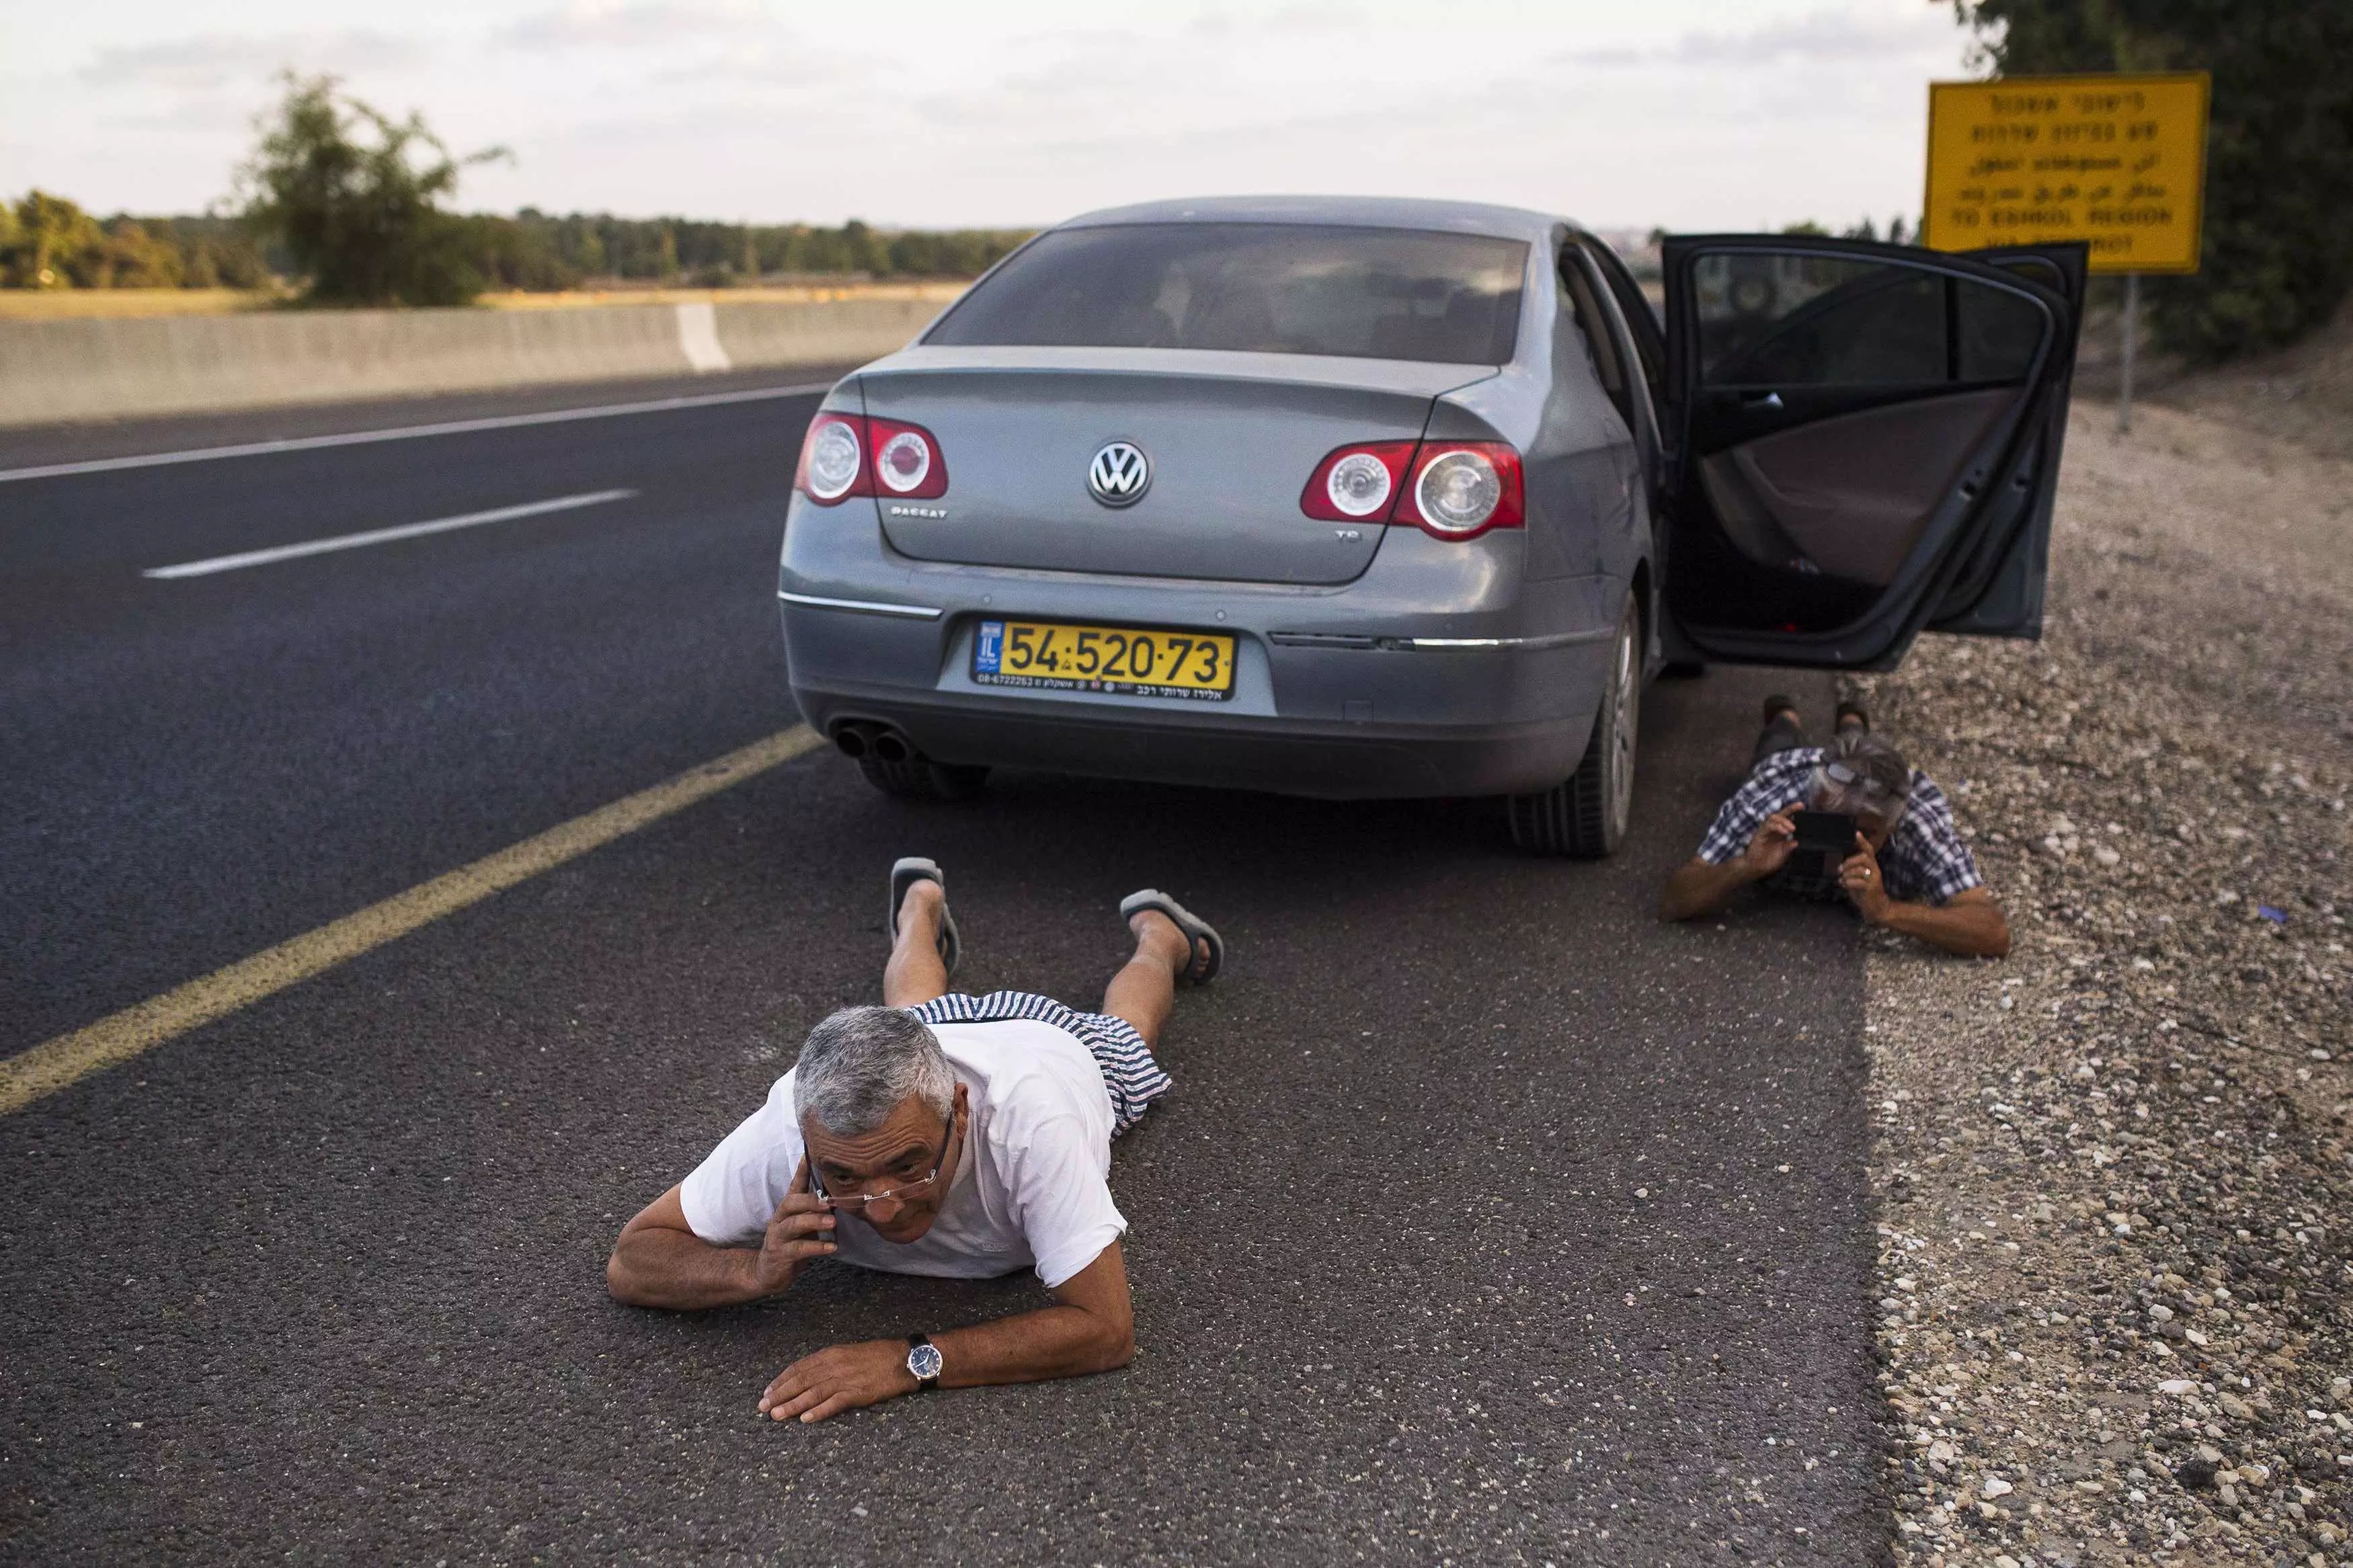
(352, 197)
(2278, 247)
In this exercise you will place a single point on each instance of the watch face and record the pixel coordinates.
(924, 1361)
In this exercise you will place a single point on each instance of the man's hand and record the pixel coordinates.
(1090, 1328)
(1859, 874)
(840, 1378)
(1770, 847)
(1703, 887)
(800, 1232)
(1968, 923)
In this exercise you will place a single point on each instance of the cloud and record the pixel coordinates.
(214, 60)
(632, 23)
(1818, 38)
(763, 69)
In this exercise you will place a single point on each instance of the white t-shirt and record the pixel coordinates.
(1032, 1184)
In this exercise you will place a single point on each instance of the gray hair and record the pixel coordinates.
(1887, 788)
(863, 1063)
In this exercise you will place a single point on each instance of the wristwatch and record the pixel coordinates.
(923, 1361)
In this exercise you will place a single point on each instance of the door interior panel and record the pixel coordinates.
(1856, 423)
(1848, 497)
(1999, 592)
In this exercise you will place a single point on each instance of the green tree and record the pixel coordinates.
(2278, 244)
(53, 236)
(128, 256)
(353, 197)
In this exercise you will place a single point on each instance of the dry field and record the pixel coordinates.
(86, 304)
(83, 304)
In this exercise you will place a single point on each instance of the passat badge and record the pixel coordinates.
(1120, 474)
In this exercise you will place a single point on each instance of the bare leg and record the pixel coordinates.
(915, 973)
(1144, 989)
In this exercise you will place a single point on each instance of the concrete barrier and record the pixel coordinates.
(68, 370)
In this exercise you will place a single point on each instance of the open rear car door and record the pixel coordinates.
(1866, 443)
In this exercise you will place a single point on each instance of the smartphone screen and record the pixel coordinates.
(1832, 832)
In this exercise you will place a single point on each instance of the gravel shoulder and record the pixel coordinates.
(2112, 1172)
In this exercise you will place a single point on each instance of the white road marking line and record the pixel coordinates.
(408, 432)
(382, 535)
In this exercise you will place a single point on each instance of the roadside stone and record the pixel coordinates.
(2112, 1172)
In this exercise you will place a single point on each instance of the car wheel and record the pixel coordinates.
(1585, 817)
(920, 778)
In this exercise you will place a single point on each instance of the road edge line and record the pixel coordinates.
(61, 1062)
(403, 432)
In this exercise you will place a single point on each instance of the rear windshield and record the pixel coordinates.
(1288, 289)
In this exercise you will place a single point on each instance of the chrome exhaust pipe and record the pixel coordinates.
(890, 746)
(855, 740)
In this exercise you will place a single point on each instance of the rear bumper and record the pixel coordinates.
(1329, 761)
(1439, 672)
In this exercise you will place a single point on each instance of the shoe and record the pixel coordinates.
(1197, 932)
(904, 875)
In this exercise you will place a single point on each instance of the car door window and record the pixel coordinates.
(1635, 309)
(1601, 346)
(1839, 400)
(1813, 320)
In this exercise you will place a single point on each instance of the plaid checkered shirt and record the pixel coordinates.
(1924, 858)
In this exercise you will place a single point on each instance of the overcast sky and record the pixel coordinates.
(1691, 113)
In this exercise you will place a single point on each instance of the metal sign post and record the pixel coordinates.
(2132, 331)
(2116, 162)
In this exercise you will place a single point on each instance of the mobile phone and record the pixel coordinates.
(817, 1190)
(1831, 832)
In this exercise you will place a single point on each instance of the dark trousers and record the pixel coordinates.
(1785, 733)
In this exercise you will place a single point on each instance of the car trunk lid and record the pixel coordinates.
(1230, 438)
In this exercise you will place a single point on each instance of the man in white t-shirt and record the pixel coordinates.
(949, 1135)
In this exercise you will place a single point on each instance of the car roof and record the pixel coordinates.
(1369, 212)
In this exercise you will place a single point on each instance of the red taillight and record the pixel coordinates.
(1460, 490)
(907, 460)
(833, 465)
(1359, 483)
(1452, 489)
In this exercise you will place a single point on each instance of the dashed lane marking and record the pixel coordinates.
(382, 535)
(56, 1064)
(408, 432)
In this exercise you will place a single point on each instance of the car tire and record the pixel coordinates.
(920, 778)
(1585, 818)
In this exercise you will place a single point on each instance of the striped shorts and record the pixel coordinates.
(1133, 1080)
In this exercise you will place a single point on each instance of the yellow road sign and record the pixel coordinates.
(2116, 161)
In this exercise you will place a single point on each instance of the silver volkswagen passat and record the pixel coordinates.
(1332, 497)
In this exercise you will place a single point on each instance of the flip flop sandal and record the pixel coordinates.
(1199, 972)
(905, 873)
(1776, 705)
(1853, 711)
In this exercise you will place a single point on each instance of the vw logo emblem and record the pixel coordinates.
(1120, 474)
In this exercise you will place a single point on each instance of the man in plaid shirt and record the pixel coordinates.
(1909, 870)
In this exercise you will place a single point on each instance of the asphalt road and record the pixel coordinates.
(1490, 1221)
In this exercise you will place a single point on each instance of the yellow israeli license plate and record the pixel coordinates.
(1052, 656)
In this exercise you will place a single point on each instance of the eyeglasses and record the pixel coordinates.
(1840, 773)
(906, 1194)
